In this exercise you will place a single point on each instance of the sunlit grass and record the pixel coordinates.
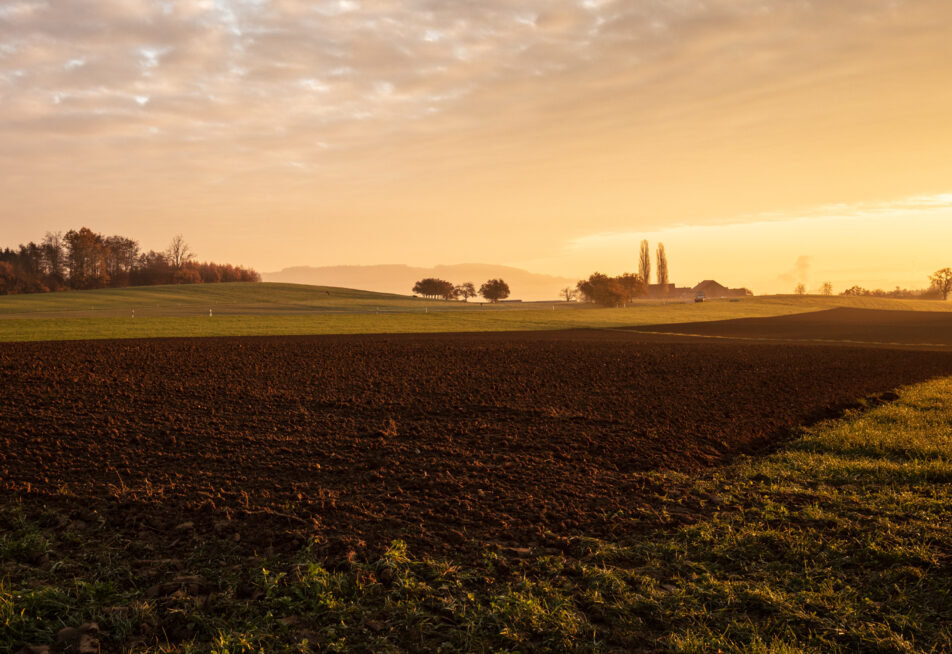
(202, 296)
(292, 309)
(476, 320)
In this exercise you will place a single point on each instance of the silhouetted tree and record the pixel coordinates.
(122, 254)
(494, 290)
(569, 294)
(600, 289)
(942, 281)
(54, 259)
(86, 259)
(826, 288)
(855, 290)
(466, 290)
(7, 278)
(178, 252)
(801, 289)
(632, 286)
(644, 262)
(31, 259)
(662, 265)
(612, 291)
(432, 287)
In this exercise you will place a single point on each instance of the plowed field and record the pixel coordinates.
(442, 440)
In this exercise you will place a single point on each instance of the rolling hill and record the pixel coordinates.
(399, 278)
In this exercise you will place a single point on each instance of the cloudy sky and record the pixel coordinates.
(766, 142)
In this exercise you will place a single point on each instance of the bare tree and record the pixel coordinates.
(826, 288)
(662, 265)
(801, 289)
(569, 294)
(178, 253)
(942, 282)
(644, 263)
(54, 255)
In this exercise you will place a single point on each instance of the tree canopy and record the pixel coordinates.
(466, 291)
(494, 290)
(942, 281)
(612, 291)
(662, 265)
(432, 287)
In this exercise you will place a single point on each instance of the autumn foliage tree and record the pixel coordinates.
(82, 259)
(86, 259)
(612, 291)
(494, 290)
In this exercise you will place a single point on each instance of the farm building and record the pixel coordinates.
(708, 287)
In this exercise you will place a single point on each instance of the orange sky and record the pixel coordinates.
(766, 142)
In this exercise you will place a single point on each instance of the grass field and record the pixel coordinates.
(192, 298)
(839, 542)
(285, 309)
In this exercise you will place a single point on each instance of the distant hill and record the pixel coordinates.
(398, 278)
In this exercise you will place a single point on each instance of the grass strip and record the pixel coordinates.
(266, 309)
(839, 542)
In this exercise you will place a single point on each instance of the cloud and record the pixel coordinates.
(543, 118)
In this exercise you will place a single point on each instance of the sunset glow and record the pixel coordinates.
(765, 142)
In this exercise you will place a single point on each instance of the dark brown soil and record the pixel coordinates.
(441, 440)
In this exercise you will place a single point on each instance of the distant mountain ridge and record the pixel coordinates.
(400, 278)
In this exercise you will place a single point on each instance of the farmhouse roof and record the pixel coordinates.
(709, 286)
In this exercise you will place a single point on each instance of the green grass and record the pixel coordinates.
(196, 297)
(284, 309)
(839, 542)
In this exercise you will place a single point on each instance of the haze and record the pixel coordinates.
(765, 142)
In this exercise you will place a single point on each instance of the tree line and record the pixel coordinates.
(940, 285)
(84, 259)
(493, 290)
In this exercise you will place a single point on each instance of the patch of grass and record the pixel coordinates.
(475, 320)
(840, 542)
(175, 298)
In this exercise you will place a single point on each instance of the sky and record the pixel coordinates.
(765, 142)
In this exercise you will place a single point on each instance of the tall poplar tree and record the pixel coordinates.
(644, 263)
(662, 265)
